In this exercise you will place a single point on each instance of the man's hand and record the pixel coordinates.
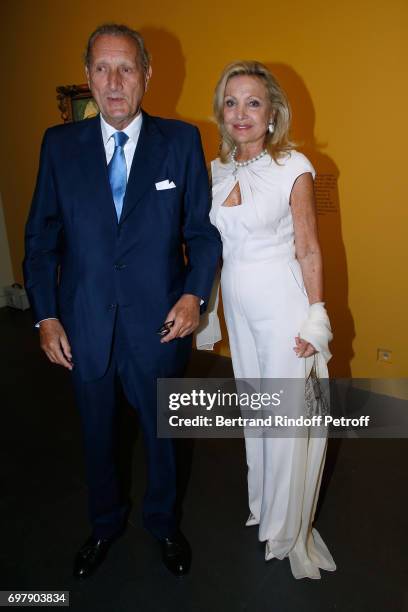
(54, 342)
(186, 316)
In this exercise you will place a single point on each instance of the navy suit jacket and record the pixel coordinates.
(81, 265)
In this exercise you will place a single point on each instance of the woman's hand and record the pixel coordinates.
(303, 348)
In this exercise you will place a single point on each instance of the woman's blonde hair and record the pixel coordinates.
(278, 143)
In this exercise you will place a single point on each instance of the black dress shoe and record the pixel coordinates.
(176, 554)
(90, 556)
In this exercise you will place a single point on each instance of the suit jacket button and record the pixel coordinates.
(112, 306)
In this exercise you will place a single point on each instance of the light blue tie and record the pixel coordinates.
(117, 171)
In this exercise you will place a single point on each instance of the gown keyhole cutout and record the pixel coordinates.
(234, 197)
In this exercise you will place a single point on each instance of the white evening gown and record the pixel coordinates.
(265, 304)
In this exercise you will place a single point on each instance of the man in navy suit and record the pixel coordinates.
(116, 199)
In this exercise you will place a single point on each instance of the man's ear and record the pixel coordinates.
(148, 76)
(87, 76)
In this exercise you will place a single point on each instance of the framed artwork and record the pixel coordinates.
(76, 103)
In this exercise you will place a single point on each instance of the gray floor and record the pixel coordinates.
(362, 511)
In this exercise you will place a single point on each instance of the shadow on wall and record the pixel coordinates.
(329, 218)
(161, 99)
(166, 85)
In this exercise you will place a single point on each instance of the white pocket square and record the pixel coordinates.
(165, 185)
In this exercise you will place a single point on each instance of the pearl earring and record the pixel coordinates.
(271, 127)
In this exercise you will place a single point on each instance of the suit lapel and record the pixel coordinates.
(93, 164)
(150, 152)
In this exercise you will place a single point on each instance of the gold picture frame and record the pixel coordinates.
(76, 103)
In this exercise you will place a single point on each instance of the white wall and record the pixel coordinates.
(6, 272)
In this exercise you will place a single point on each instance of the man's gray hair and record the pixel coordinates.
(114, 29)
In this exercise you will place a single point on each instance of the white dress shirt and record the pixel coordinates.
(133, 131)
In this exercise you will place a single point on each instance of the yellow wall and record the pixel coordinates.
(343, 65)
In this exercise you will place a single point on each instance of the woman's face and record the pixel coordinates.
(247, 110)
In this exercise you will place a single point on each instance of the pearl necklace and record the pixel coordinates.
(238, 164)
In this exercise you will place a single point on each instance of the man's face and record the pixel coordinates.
(116, 78)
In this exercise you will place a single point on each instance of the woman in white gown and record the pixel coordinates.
(272, 289)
